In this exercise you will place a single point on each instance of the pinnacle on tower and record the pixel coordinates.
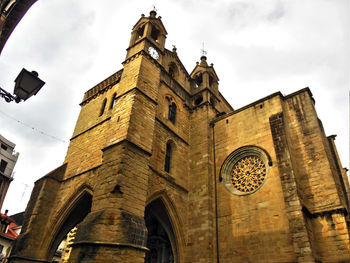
(204, 61)
(153, 12)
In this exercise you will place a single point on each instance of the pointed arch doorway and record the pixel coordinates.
(74, 213)
(161, 240)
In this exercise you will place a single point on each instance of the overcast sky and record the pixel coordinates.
(257, 47)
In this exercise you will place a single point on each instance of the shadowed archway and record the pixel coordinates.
(161, 240)
(74, 214)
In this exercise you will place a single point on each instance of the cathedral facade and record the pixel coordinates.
(160, 168)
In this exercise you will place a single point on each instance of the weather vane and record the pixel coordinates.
(203, 52)
(154, 8)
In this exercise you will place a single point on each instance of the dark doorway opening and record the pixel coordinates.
(77, 213)
(161, 239)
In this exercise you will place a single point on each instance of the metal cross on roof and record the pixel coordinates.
(203, 52)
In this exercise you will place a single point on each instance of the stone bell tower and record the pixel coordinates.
(149, 35)
(160, 168)
(206, 82)
(104, 179)
(115, 229)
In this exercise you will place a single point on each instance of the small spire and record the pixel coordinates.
(204, 61)
(203, 52)
(153, 12)
(203, 56)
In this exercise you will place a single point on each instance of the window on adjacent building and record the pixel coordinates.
(3, 227)
(172, 112)
(3, 165)
(103, 106)
(167, 158)
(3, 146)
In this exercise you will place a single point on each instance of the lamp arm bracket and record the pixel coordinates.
(7, 96)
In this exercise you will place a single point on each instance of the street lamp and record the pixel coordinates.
(27, 85)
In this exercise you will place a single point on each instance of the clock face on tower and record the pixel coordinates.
(154, 54)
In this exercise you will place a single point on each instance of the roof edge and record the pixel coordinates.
(278, 93)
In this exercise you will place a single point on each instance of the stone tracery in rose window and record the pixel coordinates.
(245, 170)
(248, 174)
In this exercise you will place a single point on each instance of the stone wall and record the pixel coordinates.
(299, 213)
(295, 209)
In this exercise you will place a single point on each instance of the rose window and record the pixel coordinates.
(245, 170)
(248, 174)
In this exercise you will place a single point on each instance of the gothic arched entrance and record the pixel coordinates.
(74, 215)
(161, 240)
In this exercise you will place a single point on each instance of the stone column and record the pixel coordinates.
(300, 238)
(115, 230)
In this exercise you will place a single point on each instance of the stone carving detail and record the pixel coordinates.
(248, 174)
(245, 170)
(102, 86)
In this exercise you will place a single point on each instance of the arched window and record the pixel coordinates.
(103, 106)
(155, 33)
(199, 80)
(137, 34)
(211, 80)
(140, 32)
(113, 100)
(172, 112)
(245, 170)
(171, 72)
(167, 158)
(198, 100)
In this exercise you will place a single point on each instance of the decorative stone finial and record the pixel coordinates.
(152, 14)
(204, 61)
(203, 56)
(174, 48)
(203, 52)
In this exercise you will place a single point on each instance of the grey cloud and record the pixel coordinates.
(277, 13)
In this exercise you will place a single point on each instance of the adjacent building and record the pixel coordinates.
(161, 168)
(8, 159)
(9, 230)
